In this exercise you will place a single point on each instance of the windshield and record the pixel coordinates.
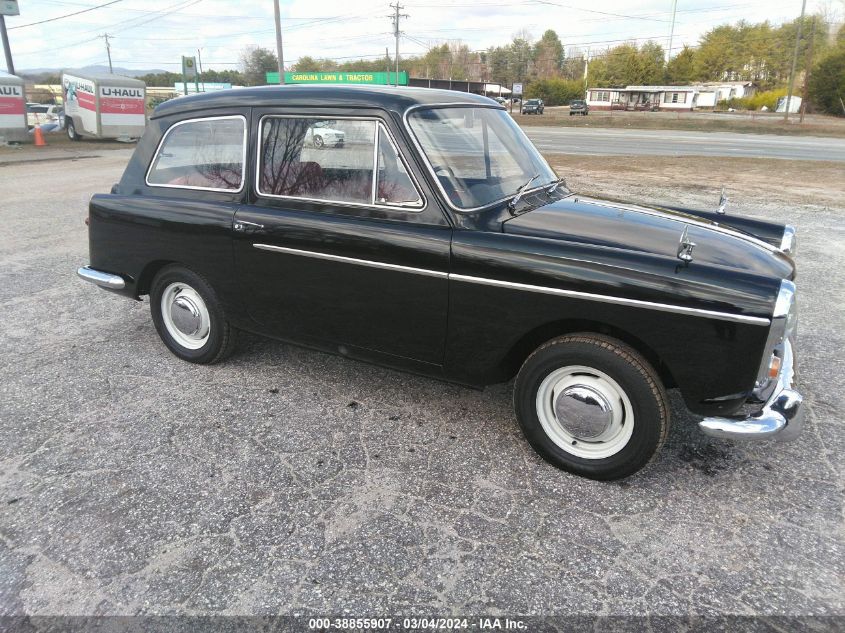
(479, 155)
(532, 102)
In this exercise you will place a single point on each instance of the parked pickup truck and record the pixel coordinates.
(439, 241)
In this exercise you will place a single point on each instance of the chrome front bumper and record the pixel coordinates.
(781, 417)
(104, 280)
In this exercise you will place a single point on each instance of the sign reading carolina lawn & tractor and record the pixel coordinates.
(378, 78)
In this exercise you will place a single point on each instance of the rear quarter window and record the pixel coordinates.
(207, 154)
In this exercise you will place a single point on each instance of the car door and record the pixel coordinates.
(341, 247)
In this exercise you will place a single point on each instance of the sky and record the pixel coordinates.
(147, 34)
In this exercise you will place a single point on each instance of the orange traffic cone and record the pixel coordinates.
(39, 137)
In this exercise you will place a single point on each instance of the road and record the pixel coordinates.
(286, 480)
(609, 142)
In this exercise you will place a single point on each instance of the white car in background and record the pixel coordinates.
(321, 135)
(41, 114)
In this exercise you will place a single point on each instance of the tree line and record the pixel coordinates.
(758, 52)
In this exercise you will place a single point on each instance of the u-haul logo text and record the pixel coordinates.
(11, 91)
(136, 93)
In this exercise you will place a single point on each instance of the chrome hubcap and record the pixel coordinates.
(585, 412)
(185, 315)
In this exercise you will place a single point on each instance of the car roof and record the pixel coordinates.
(393, 98)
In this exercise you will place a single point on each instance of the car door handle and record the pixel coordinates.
(242, 226)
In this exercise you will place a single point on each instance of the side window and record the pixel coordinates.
(201, 154)
(393, 185)
(321, 159)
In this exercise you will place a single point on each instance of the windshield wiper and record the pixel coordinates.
(555, 184)
(512, 204)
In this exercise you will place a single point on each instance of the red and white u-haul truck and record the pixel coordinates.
(102, 105)
(12, 109)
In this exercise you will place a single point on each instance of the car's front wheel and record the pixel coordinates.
(592, 405)
(318, 142)
(189, 317)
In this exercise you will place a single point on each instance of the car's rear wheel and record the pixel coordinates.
(592, 405)
(318, 142)
(189, 317)
(71, 130)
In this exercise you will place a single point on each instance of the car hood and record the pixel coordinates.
(652, 230)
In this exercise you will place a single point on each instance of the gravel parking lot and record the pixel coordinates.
(287, 480)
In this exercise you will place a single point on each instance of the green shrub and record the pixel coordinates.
(769, 98)
(555, 92)
(827, 81)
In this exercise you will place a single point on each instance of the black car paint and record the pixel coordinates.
(457, 330)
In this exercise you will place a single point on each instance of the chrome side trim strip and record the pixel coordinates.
(105, 280)
(353, 260)
(636, 303)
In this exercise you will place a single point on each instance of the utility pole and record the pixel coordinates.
(108, 50)
(586, 71)
(199, 67)
(794, 62)
(671, 31)
(387, 65)
(807, 72)
(396, 17)
(9, 65)
(279, 52)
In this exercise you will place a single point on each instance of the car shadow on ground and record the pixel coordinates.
(685, 446)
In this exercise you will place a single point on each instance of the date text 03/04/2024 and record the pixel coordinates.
(414, 624)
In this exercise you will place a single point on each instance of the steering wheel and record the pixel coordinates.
(448, 182)
(447, 170)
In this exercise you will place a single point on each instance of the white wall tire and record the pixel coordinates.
(185, 315)
(600, 435)
(188, 316)
(591, 405)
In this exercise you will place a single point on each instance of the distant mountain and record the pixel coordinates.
(128, 72)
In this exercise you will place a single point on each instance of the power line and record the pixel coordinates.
(66, 15)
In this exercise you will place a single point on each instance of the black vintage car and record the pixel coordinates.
(436, 239)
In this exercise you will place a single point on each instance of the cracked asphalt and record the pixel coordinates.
(288, 480)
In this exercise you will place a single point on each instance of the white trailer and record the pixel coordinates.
(102, 105)
(12, 109)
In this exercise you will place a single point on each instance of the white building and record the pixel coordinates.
(642, 98)
(731, 89)
(672, 98)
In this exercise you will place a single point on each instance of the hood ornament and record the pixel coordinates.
(685, 246)
(723, 202)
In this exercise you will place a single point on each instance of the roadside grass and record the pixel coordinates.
(747, 180)
(745, 123)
